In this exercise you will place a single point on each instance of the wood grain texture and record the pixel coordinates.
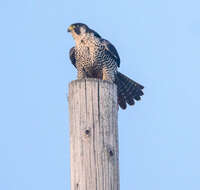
(93, 135)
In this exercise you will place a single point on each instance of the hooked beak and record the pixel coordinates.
(70, 29)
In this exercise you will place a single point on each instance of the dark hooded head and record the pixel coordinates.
(79, 29)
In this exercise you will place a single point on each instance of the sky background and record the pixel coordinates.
(159, 46)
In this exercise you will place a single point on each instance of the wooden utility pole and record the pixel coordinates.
(93, 135)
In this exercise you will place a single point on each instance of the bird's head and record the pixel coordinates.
(80, 30)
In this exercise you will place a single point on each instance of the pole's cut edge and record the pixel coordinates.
(90, 79)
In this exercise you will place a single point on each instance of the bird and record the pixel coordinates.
(95, 57)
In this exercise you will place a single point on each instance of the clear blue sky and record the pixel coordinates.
(159, 46)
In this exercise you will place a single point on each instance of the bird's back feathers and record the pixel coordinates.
(111, 51)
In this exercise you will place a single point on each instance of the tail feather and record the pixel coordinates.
(122, 102)
(128, 90)
(121, 95)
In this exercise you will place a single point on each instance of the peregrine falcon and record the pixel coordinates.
(95, 57)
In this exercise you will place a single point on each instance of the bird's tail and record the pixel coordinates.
(127, 90)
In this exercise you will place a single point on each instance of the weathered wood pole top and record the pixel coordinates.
(93, 135)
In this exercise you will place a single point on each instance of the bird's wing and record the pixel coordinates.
(111, 50)
(94, 32)
(72, 56)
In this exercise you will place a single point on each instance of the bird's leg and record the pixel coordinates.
(81, 73)
(107, 75)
